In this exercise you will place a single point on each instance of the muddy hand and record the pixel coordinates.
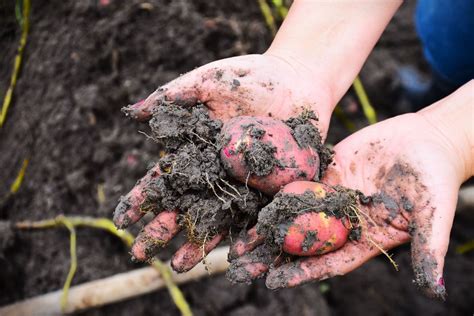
(257, 85)
(412, 166)
(161, 230)
(249, 258)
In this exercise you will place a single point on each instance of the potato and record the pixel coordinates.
(314, 232)
(262, 152)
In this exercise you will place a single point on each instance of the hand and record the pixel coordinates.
(248, 85)
(306, 67)
(256, 85)
(413, 166)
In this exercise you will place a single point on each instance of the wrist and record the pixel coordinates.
(333, 38)
(452, 121)
(305, 77)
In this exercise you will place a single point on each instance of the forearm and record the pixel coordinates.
(332, 38)
(453, 118)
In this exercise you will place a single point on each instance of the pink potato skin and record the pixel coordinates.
(302, 163)
(330, 231)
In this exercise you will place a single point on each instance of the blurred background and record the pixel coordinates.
(82, 62)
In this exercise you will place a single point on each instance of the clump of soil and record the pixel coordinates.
(238, 272)
(260, 156)
(193, 179)
(307, 135)
(275, 218)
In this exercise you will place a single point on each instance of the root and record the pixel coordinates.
(231, 186)
(202, 139)
(204, 262)
(225, 191)
(363, 222)
(395, 265)
(146, 207)
(148, 136)
(213, 189)
(190, 228)
(247, 187)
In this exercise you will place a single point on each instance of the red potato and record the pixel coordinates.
(330, 232)
(313, 232)
(262, 152)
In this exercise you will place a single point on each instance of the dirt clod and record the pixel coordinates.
(244, 271)
(193, 179)
(259, 157)
(307, 135)
(274, 219)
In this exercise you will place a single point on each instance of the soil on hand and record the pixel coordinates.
(83, 62)
(193, 179)
(275, 218)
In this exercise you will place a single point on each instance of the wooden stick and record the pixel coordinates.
(113, 289)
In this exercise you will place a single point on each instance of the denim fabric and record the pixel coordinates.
(446, 29)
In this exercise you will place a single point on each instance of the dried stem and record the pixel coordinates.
(70, 222)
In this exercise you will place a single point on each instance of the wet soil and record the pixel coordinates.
(259, 157)
(83, 62)
(193, 179)
(273, 219)
(306, 135)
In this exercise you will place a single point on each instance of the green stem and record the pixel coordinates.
(18, 58)
(369, 111)
(73, 266)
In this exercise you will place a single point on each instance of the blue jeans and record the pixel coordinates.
(446, 30)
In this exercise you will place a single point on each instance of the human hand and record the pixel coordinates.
(290, 77)
(254, 85)
(412, 166)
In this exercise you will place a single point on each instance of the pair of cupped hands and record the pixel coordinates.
(405, 157)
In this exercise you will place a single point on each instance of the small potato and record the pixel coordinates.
(262, 152)
(313, 232)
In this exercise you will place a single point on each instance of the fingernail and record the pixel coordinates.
(441, 281)
(276, 281)
(238, 274)
(236, 250)
(246, 269)
(121, 220)
(130, 110)
(439, 289)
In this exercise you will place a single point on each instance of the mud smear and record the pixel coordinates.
(252, 265)
(389, 203)
(401, 192)
(309, 239)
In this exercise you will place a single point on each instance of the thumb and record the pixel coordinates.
(184, 90)
(430, 229)
(224, 86)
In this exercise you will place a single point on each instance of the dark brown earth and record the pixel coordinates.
(83, 62)
(273, 219)
(193, 178)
